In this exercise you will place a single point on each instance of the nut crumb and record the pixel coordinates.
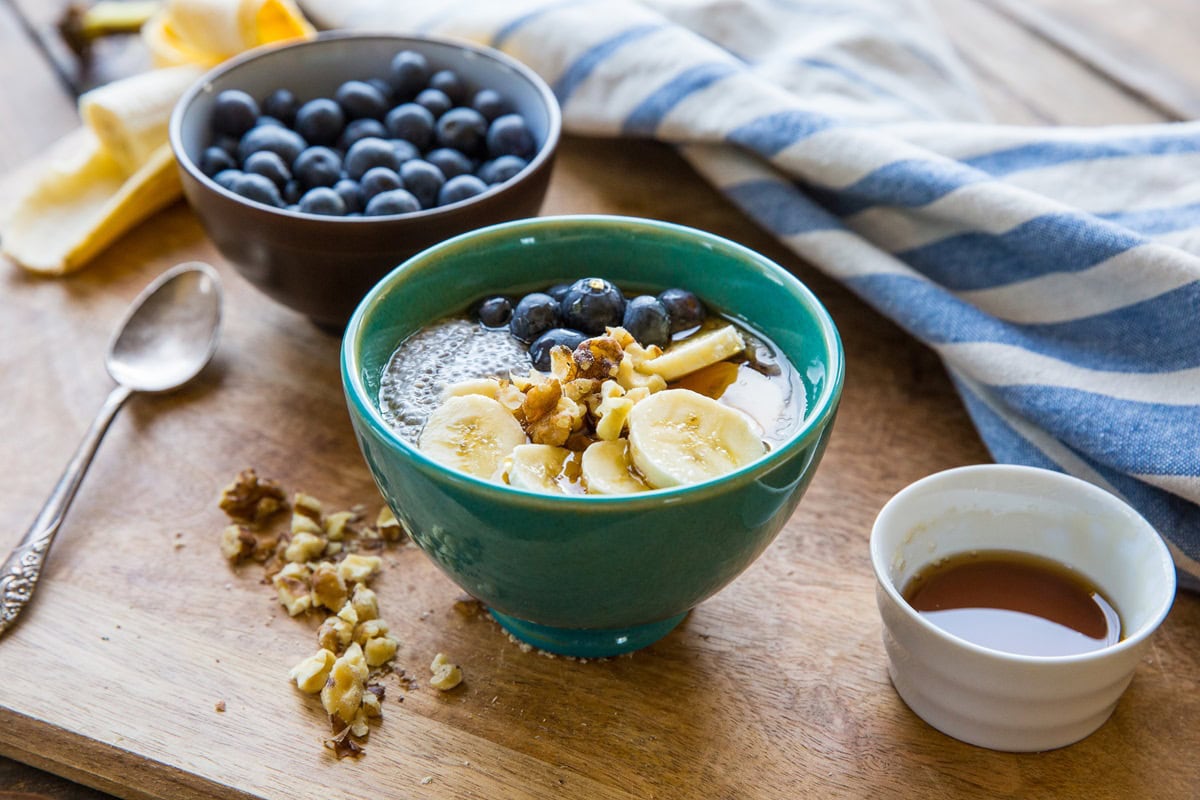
(251, 500)
(428, 779)
(446, 674)
(219, 707)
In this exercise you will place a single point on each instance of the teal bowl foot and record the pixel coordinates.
(587, 643)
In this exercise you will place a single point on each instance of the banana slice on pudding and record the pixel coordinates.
(607, 469)
(472, 433)
(538, 468)
(695, 352)
(679, 437)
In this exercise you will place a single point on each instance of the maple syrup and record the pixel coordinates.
(1015, 602)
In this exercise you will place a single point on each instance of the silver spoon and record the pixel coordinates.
(168, 335)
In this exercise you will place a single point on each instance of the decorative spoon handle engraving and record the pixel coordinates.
(21, 570)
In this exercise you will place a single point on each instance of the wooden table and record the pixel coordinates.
(775, 688)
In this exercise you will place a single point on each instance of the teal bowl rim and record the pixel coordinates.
(818, 419)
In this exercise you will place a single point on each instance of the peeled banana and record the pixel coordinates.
(695, 352)
(120, 169)
(471, 433)
(678, 437)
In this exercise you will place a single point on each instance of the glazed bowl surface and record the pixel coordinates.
(590, 575)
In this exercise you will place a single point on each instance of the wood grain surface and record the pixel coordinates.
(775, 688)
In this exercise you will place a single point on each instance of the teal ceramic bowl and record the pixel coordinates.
(591, 576)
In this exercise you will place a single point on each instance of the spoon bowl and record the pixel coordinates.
(170, 332)
(167, 337)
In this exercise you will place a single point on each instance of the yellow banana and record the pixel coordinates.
(121, 169)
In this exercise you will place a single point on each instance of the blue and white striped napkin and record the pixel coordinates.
(1054, 271)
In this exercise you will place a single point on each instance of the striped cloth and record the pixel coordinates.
(1054, 271)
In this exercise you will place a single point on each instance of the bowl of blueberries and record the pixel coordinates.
(317, 167)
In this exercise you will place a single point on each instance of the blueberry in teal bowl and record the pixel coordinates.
(316, 167)
(590, 504)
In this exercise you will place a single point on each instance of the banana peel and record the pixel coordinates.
(120, 169)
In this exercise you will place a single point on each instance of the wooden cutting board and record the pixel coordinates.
(776, 687)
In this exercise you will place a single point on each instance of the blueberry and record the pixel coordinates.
(408, 73)
(411, 122)
(591, 305)
(368, 153)
(447, 80)
(397, 201)
(282, 105)
(361, 129)
(292, 192)
(234, 112)
(435, 100)
(464, 129)
(383, 87)
(318, 166)
(451, 162)
(266, 120)
(508, 135)
(558, 291)
(214, 160)
(378, 180)
(498, 170)
(404, 150)
(423, 179)
(285, 143)
(495, 312)
(320, 121)
(258, 188)
(269, 165)
(351, 194)
(539, 351)
(647, 319)
(685, 309)
(322, 200)
(460, 188)
(227, 177)
(489, 103)
(227, 143)
(535, 314)
(360, 100)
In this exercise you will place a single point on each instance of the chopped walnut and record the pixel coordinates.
(356, 568)
(335, 525)
(292, 585)
(388, 526)
(365, 602)
(446, 675)
(304, 547)
(343, 691)
(598, 357)
(307, 505)
(380, 650)
(311, 673)
(556, 427)
(237, 543)
(335, 634)
(328, 588)
(371, 629)
(303, 523)
(250, 499)
(541, 399)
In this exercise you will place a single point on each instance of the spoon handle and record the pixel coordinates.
(20, 571)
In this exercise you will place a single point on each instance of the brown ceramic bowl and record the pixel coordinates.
(321, 266)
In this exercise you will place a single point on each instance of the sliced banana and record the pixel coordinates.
(472, 434)
(538, 468)
(678, 437)
(695, 352)
(607, 469)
